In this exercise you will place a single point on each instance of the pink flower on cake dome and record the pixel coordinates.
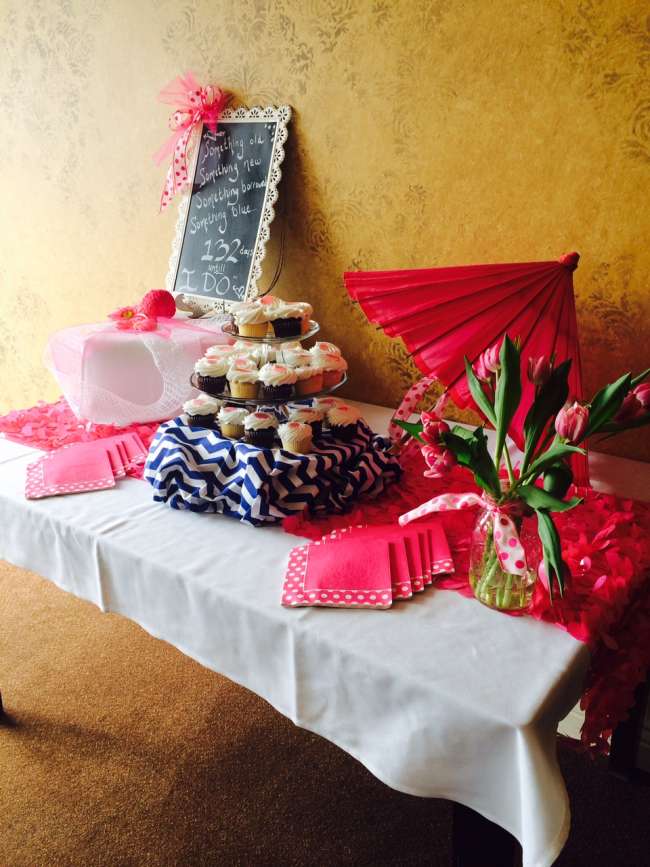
(123, 314)
(144, 323)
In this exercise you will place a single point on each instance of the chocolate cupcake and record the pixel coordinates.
(343, 421)
(211, 373)
(260, 428)
(201, 411)
(286, 320)
(277, 381)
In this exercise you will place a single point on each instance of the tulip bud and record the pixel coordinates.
(539, 370)
(571, 422)
(642, 393)
(488, 363)
(433, 430)
(631, 408)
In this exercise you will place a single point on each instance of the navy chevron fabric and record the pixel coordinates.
(195, 468)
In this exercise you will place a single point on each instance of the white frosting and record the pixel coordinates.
(243, 370)
(232, 415)
(288, 310)
(306, 414)
(254, 314)
(305, 308)
(296, 357)
(294, 432)
(260, 421)
(322, 347)
(277, 374)
(212, 366)
(203, 405)
(219, 349)
(343, 414)
(303, 373)
(325, 404)
(330, 361)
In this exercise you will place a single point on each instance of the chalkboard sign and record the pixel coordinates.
(223, 222)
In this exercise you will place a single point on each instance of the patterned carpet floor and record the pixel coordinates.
(119, 750)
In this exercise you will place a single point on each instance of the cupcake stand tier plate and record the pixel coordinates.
(267, 401)
(314, 328)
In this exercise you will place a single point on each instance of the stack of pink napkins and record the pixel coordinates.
(89, 466)
(367, 567)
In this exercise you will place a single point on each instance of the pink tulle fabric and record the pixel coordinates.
(606, 544)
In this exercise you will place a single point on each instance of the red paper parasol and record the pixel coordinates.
(444, 314)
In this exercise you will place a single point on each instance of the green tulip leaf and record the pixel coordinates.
(607, 403)
(412, 428)
(537, 498)
(480, 398)
(556, 568)
(508, 393)
(550, 399)
(551, 456)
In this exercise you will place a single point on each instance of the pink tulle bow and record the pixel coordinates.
(506, 538)
(194, 105)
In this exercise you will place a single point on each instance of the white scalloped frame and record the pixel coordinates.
(198, 304)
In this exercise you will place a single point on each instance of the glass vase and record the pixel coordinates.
(492, 583)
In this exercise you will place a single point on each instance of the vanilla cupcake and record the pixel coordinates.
(325, 404)
(277, 381)
(296, 437)
(343, 421)
(308, 415)
(201, 410)
(333, 367)
(322, 347)
(309, 380)
(211, 373)
(231, 421)
(286, 320)
(252, 319)
(296, 356)
(242, 378)
(260, 428)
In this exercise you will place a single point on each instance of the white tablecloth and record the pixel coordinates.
(438, 697)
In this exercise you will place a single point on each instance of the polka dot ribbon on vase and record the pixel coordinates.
(506, 538)
(195, 105)
(408, 406)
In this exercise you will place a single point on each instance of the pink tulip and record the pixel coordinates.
(539, 369)
(631, 408)
(642, 393)
(433, 430)
(438, 462)
(488, 363)
(571, 422)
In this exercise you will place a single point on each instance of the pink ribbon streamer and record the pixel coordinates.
(506, 538)
(195, 105)
(165, 327)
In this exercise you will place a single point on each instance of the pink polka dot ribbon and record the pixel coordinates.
(506, 538)
(195, 106)
(408, 405)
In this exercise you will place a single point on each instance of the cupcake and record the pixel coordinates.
(343, 421)
(286, 320)
(308, 415)
(259, 429)
(277, 381)
(231, 421)
(306, 311)
(296, 437)
(251, 319)
(220, 350)
(322, 347)
(309, 380)
(211, 374)
(200, 411)
(296, 356)
(242, 378)
(333, 367)
(325, 404)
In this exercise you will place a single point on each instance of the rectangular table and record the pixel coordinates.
(437, 697)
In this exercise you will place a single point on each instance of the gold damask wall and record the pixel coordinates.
(424, 133)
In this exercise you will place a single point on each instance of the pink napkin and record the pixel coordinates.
(358, 566)
(80, 467)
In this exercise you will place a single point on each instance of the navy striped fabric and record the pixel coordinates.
(195, 468)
